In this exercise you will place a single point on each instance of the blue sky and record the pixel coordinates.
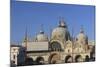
(33, 14)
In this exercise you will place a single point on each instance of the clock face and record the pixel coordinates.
(55, 46)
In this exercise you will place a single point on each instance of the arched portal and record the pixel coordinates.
(92, 56)
(54, 58)
(87, 58)
(40, 60)
(29, 61)
(68, 59)
(78, 58)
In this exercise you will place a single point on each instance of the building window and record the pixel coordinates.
(68, 50)
(14, 50)
(14, 56)
(13, 61)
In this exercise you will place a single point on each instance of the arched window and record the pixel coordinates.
(14, 56)
(13, 61)
(55, 46)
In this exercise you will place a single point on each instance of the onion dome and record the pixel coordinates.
(41, 37)
(81, 37)
(61, 31)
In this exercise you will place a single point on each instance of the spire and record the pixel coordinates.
(82, 29)
(26, 38)
(72, 34)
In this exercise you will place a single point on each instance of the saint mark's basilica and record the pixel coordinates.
(60, 47)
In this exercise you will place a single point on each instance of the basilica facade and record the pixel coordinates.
(61, 47)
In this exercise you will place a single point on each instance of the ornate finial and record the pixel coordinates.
(62, 22)
(68, 38)
(41, 30)
(82, 29)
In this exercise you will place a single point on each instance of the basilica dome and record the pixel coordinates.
(61, 31)
(41, 37)
(81, 37)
